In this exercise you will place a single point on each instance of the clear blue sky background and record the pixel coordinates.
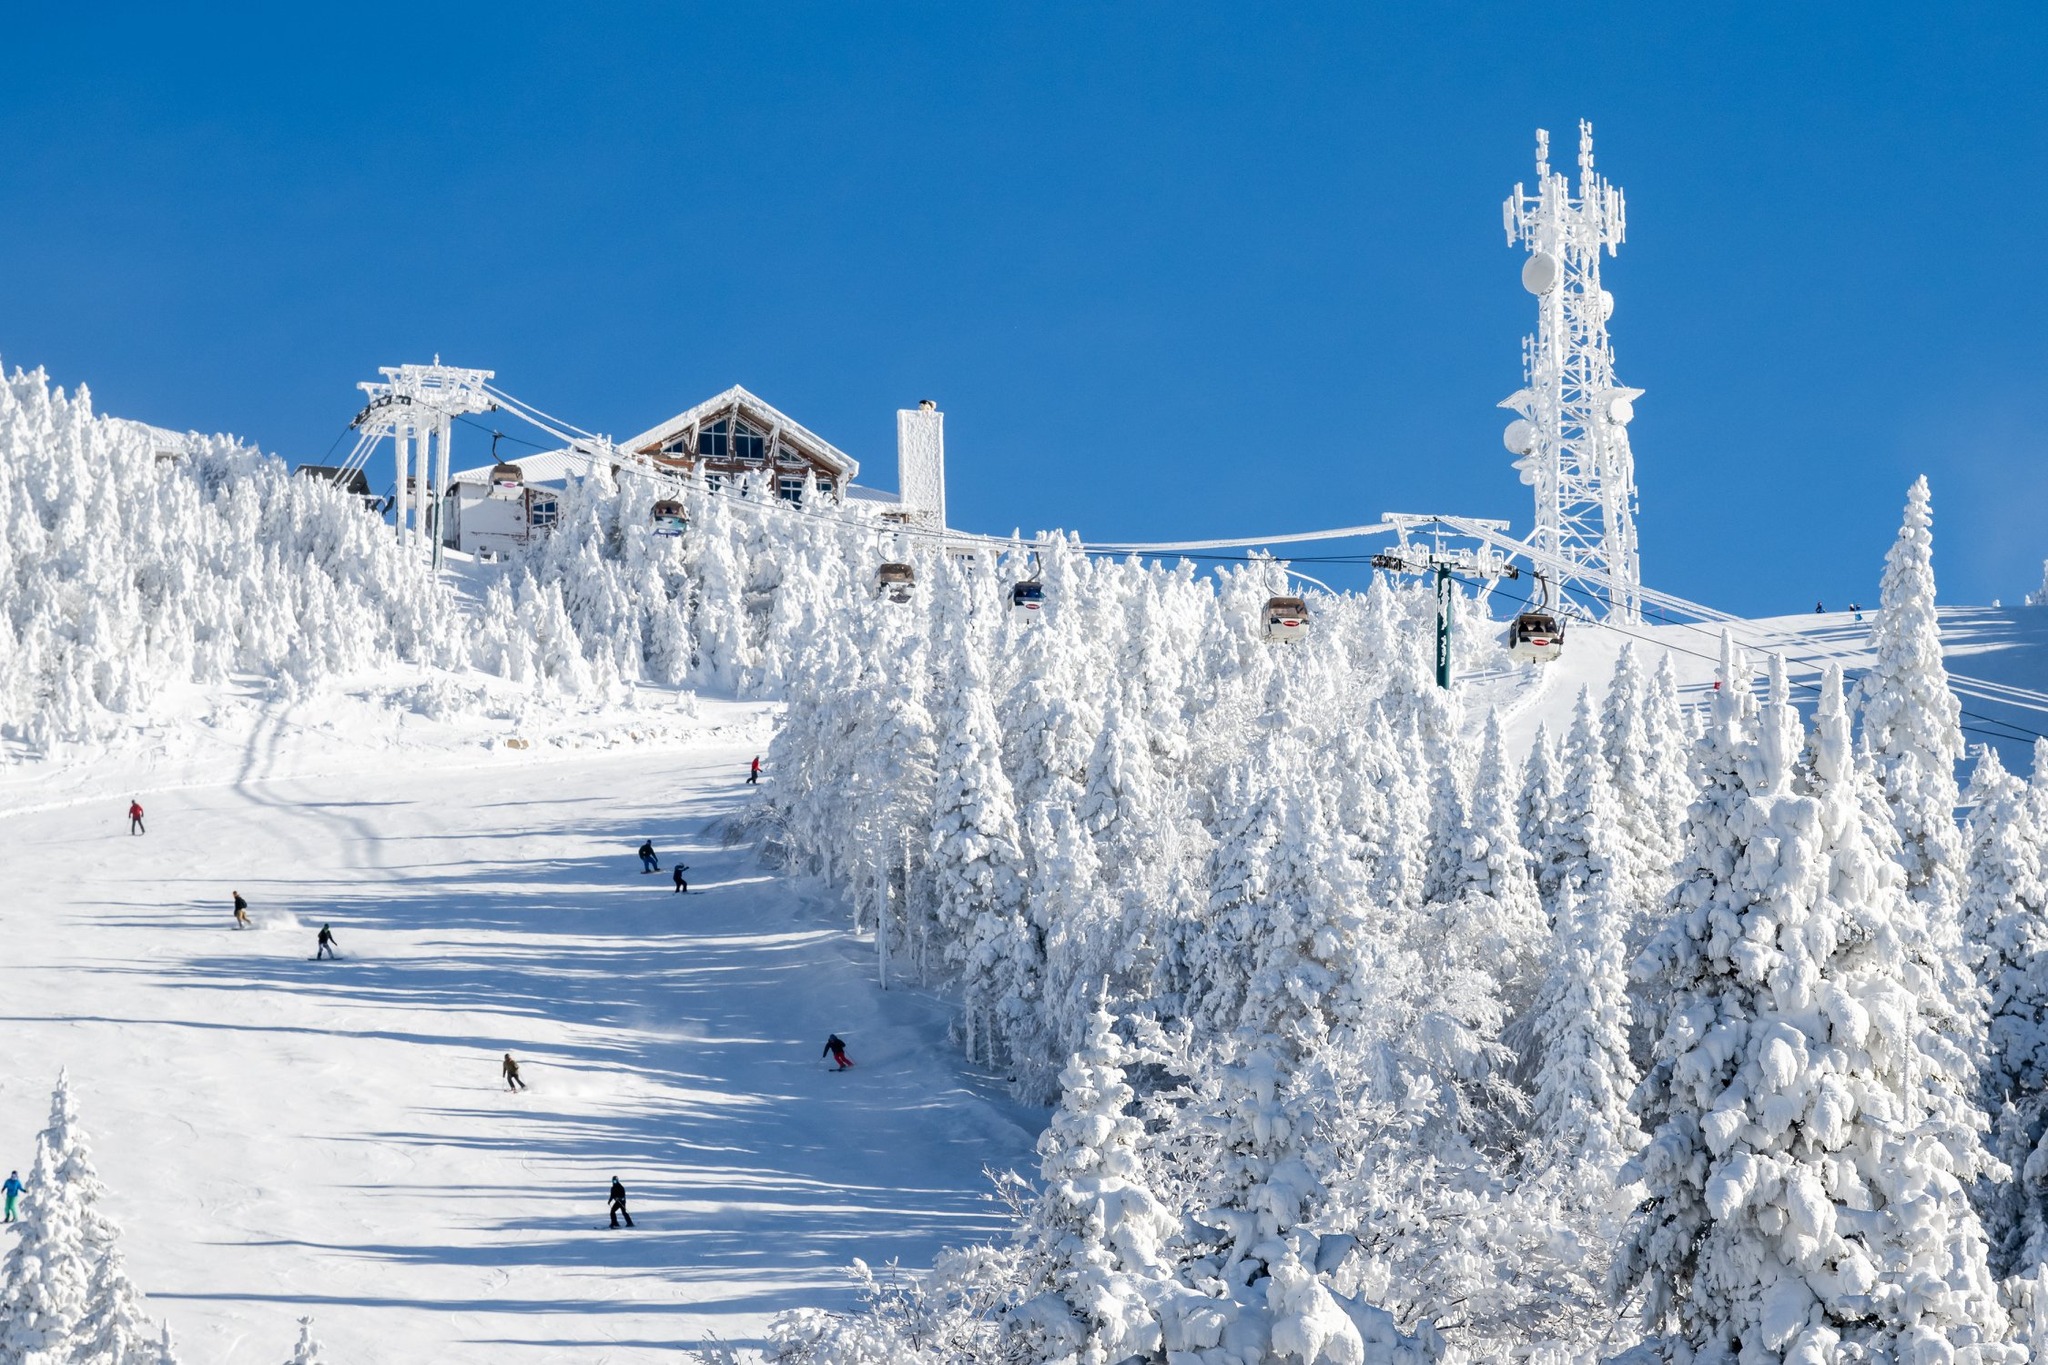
(1171, 270)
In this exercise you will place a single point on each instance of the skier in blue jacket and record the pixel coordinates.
(11, 1187)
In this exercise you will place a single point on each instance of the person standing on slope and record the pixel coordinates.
(618, 1204)
(511, 1070)
(241, 912)
(681, 885)
(135, 818)
(754, 773)
(837, 1047)
(11, 1187)
(647, 859)
(326, 948)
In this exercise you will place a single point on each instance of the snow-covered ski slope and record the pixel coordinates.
(284, 1136)
(1999, 656)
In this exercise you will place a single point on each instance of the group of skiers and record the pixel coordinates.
(835, 1046)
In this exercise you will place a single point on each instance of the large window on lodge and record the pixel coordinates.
(729, 439)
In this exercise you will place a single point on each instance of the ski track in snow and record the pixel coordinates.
(284, 1137)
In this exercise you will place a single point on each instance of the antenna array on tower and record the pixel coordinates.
(1570, 434)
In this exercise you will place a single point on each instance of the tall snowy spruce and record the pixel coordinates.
(978, 870)
(1805, 1174)
(65, 1294)
(2005, 925)
(1913, 724)
(1094, 1245)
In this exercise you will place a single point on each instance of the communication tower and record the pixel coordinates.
(1570, 433)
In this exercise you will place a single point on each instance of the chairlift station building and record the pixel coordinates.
(732, 441)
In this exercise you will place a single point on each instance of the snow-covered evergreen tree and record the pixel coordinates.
(978, 871)
(1096, 1241)
(307, 1352)
(1913, 724)
(1805, 1173)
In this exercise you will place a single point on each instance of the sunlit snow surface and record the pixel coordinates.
(284, 1136)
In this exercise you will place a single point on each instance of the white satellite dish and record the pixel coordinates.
(1540, 273)
(1606, 304)
(1520, 436)
(1622, 410)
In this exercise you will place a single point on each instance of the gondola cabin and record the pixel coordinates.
(1536, 637)
(669, 519)
(1027, 599)
(506, 481)
(1286, 618)
(895, 581)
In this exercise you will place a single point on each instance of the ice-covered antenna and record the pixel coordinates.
(1570, 433)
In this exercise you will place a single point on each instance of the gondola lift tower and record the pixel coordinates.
(1570, 433)
(416, 406)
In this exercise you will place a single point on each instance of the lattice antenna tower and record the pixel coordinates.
(1570, 435)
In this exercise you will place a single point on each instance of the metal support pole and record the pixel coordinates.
(882, 923)
(421, 457)
(441, 493)
(1443, 625)
(401, 447)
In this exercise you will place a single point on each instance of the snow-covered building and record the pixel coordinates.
(734, 435)
(728, 439)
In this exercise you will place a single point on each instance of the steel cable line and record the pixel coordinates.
(2024, 732)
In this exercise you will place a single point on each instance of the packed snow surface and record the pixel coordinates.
(284, 1136)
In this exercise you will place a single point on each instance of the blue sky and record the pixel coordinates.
(1171, 270)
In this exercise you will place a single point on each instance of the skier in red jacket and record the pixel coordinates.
(135, 818)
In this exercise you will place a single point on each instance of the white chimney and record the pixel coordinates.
(921, 463)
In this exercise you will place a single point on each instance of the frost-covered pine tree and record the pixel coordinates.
(46, 1278)
(1913, 724)
(115, 1330)
(977, 867)
(1095, 1241)
(1805, 1174)
(1641, 752)
(2005, 923)
(307, 1352)
(1583, 1075)
(1539, 811)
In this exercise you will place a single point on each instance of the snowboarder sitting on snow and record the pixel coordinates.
(618, 1204)
(837, 1047)
(681, 885)
(241, 912)
(326, 944)
(511, 1070)
(135, 818)
(12, 1188)
(647, 860)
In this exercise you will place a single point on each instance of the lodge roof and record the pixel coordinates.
(757, 412)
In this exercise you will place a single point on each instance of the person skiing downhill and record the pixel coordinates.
(837, 1047)
(754, 773)
(511, 1070)
(648, 863)
(681, 885)
(241, 912)
(618, 1204)
(135, 818)
(326, 944)
(12, 1188)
